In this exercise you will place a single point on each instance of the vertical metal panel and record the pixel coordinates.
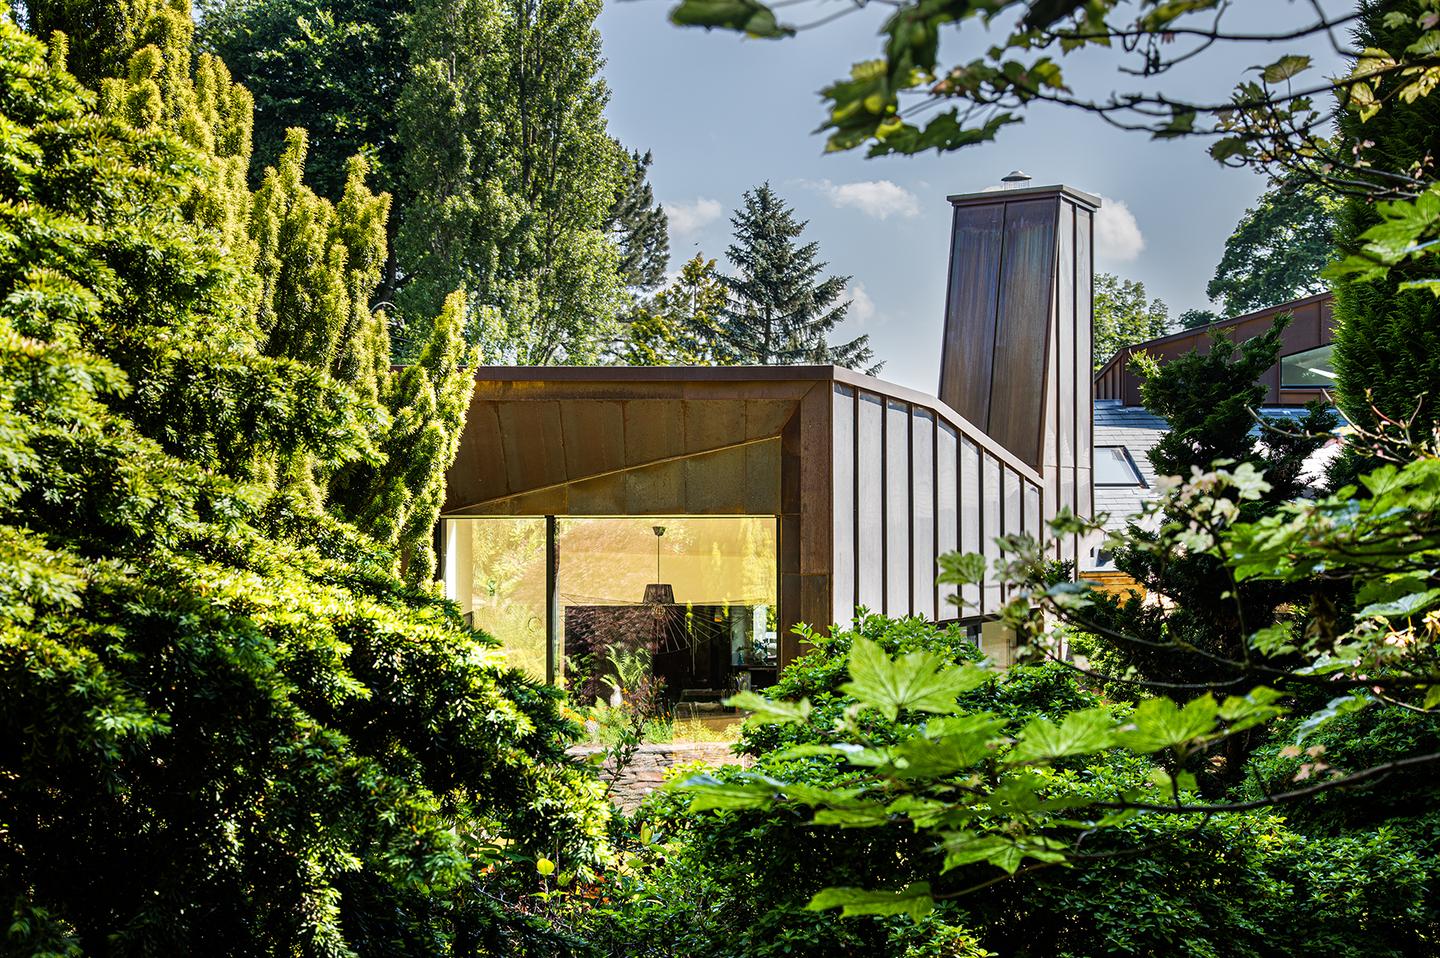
(1024, 310)
(1068, 341)
(968, 351)
(922, 452)
(970, 520)
(1031, 518)
(1084, 362)
(947, 512)
(897, 508)
(990, 527)
(870, 472)
(842, 451)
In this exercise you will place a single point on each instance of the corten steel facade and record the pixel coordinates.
(1311, 327)
(867, 483)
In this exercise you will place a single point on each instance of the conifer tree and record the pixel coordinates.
(226, 726)
(1387, 339)
(780, 312)
(640, 227)
(513, 177)
(680, 325)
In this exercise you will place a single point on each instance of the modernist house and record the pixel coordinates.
(700, 513)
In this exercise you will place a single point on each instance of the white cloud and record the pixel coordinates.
(1117, 235)
(687, 219)
(862, 308)
(878, 198)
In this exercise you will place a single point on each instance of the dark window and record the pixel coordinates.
(1114, 467)
(1312, 369)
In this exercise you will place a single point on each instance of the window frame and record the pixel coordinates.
(1313, 349)
(1139, 482)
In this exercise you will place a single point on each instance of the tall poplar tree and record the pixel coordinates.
(513, 176)
(780, 310)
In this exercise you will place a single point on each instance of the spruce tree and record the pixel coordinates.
(513, 176)
(640, 227)
(1387, 339)
(780, 310)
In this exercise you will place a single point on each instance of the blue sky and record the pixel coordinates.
(722, 114)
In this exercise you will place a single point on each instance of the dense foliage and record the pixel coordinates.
(1124, 316)
(1278, 249)
(227, 724)
(1387, 339)
(749, 875)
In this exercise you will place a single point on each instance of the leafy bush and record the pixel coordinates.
(227, 725)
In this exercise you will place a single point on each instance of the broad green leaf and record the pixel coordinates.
(1336, 707)
(1274, 639)
(708, 793)
(1404, 606)
(961, 568)
(1078, 733)
(857, 816)
(920, 681)
(1159, 723)
(746, 16)
(545, 866)
(965, 848)
(1284, 68)
(769, 712)
(913, 900)
(1246, 711)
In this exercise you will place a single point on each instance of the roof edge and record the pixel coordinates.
(986, 197)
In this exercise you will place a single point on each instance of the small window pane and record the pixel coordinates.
(1013, 518)
(990, 498)
(1312, 368)
(871, 469)
(1114, 467)
(970, 515)
(1032, 513)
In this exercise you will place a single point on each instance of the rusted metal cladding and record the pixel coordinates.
(1011, 363)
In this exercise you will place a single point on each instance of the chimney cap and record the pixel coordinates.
(1016, 176)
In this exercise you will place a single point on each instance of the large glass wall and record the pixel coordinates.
(693, 597)
(495, 571)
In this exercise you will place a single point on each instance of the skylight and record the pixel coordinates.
(1114, 467)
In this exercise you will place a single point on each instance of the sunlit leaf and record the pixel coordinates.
(1285, 68)
(913, 900)
(746, 16)
(1078, 733)
(766, 711)
(921, 681)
